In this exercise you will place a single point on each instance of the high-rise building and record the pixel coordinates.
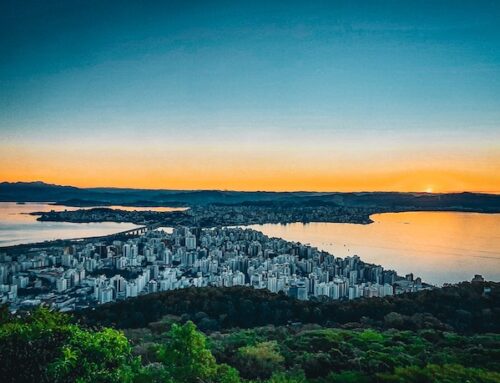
(190, 242)
(61, 284)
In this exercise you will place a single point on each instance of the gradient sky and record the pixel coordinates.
(332, 95)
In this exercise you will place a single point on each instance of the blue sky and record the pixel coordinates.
(409, 74)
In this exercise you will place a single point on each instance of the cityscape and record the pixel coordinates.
(218, 215)
(82, 275)
(250, 191)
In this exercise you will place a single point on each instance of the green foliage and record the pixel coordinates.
(336, 355)
(227, 374)
(28, 345)
(153, 373)
(462, 308)
(45, 347)
(448, 373)
(259, 360)
(348, 377)
(403, 344)
(288, 377)
(371, 336)
(186, 358)
(103, 356)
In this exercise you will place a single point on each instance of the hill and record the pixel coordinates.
(439, 336)
(461, 308)
(381, 201)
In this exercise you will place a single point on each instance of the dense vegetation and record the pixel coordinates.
(47, 347)
(364, 354)
(320, 354)
(461, 308)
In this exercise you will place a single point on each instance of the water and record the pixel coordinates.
(16, 226)
(438, 246)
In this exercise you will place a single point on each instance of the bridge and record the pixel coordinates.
(136, 231)
(127, 233)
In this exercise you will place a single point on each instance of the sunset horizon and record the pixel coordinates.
(425, 190)
(252, 97)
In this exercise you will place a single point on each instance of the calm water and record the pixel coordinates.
(438, 246)
(18, 227)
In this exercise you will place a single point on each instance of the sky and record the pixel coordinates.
(250, 95)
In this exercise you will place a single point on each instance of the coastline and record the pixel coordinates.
(100, 214)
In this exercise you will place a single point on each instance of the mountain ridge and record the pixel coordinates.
(39, 191)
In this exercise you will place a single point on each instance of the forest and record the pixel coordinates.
(240, 335)
(465, 308)
(44, 346)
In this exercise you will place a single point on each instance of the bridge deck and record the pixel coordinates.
(135, 231)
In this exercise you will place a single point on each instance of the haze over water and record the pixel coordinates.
(440, 247)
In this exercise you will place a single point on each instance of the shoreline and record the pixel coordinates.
(49, 243)
(359, 218)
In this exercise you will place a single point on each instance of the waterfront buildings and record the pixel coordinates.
(91, 273)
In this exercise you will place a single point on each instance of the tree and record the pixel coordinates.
(259, 361)
(45, 347)
(29, 344)
(440, 374)
(289, 377)
(103, 356)
(348, 377)
(187, 359)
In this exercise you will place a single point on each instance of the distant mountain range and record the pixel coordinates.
(391, 201)
(73, 196)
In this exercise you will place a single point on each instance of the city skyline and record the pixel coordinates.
(181, 259)
(324, 96)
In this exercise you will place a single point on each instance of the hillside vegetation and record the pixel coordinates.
(444, 335)
(47, 347)
(461, 308)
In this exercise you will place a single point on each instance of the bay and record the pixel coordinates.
(440, 247)
(18, 227)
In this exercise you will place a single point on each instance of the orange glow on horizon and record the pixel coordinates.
(235, 168)
(410, 181)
